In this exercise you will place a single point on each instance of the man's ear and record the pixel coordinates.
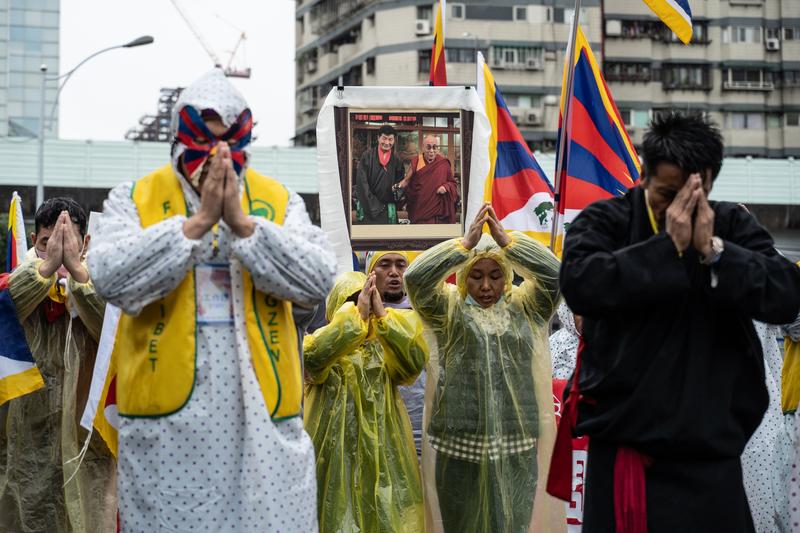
(33, 237)
(86, 240)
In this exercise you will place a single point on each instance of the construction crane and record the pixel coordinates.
(229, 69)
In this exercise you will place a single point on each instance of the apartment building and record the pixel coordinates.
(379, 42)
(29, 32)
(743, 67)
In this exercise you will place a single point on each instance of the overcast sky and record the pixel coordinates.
(108, 94)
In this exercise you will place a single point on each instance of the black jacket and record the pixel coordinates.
(672, 366)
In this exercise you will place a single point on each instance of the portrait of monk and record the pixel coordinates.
(430, 189)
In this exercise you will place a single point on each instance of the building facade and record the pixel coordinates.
(29, 33)
(743, 67)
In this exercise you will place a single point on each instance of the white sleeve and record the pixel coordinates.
(293, 261)
(131, 266)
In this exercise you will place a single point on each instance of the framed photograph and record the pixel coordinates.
(404, 175)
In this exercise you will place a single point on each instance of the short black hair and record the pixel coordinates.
(48, 213)
(387, 130)
(687, 140)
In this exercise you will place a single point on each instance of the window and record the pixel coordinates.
(370, 65)
(773, 33)
(462, 55)
(790, 78)
(457, 11)
(747, 79)
(791, 33)
(686, 77)
(793, 119)
(627, 72)
(555, 14)
(699, 34)
(424, 62)
(425, 13)
(773, 120)
(635, 118)
(522, 57)
(520, 13)
(479, 12)
(745, 121)
(741, 34)
(527, 101)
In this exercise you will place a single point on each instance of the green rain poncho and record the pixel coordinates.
(490, 421)
(367, 472)
(39, 432)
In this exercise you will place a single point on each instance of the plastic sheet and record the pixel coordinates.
(490, 421)
(367, 472)
(40, 430)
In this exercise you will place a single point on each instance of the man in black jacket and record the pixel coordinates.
(672, 375)
(379, 169)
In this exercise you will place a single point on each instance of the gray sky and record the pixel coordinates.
(108, 94)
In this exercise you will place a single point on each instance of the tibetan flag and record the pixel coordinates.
(600, 160)
(676, 14)
(101, 407)
(516, 185)
(18, 372)
(438, 74)
(16, 245)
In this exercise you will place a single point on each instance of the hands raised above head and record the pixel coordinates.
(486, 215)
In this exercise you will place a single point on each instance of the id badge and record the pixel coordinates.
(214, 301)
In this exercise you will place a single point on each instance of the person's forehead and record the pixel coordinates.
(391, 258)
(668, 175)
(431, 139)
(486, 264)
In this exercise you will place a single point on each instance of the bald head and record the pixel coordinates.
(430, 148)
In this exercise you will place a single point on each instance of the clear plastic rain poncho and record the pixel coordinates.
(490, 422)
(367, 472)
(40, 431)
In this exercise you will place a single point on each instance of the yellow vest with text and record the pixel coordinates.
(156, 350)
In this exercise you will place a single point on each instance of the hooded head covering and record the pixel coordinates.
(210, 96)
(374, 257)
(485, 249)
(345, 286)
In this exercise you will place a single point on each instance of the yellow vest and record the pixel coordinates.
(155, 351)
(790, 376)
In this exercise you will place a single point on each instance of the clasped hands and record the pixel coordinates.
(219, 199)
(64, 248)
(369, 300)
(690, 219)
(486, 215)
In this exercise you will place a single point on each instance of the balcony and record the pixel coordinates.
(748, 85)
(328, 13)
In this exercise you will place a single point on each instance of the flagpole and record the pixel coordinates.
(565, 124)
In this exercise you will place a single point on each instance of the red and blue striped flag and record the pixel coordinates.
(600, 160)
(516, 185)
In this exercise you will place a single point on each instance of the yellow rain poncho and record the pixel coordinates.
(367, 472)
(490, 422)
(39, 432)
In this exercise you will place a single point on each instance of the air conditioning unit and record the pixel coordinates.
(533, 119)
(423, 27)
(518, 119)
(311, 66)
(614, 28)
(772, 44)
(533, 63)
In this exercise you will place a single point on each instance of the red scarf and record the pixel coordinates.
(384, 157)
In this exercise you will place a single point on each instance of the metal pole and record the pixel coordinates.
(565, 122)
(40, 182)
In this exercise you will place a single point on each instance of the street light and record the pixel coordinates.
(140, 41)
